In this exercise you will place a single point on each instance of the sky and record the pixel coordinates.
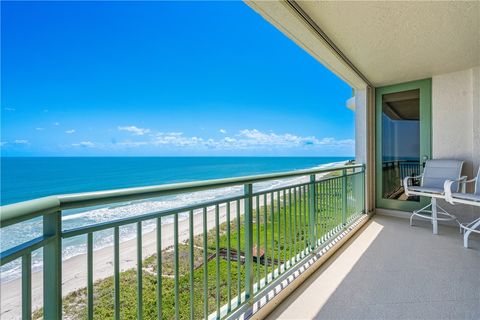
(163, 79)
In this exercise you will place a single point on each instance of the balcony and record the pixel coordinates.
(389, 270)
(270, 252)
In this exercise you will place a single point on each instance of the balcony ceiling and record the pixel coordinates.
(394, 42)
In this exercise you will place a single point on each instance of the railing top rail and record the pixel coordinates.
(13, 213)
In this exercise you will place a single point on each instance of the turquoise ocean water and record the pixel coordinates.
(28, 178)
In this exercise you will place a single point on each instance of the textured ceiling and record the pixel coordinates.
(394, 42)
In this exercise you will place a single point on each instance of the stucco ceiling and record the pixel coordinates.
(394, 42)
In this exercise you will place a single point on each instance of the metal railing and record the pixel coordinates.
(250, 241)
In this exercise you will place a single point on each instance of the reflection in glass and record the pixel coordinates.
(400, 141)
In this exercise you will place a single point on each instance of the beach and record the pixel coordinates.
(74, 269)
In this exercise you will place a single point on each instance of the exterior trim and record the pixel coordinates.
(295, 6)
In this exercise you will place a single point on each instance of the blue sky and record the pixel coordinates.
(163, 78)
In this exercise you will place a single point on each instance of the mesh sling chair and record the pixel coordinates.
(472, 199)
(432, 180)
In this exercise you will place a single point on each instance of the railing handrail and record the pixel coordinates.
(13, 213)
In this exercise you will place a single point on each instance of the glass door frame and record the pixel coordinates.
(425, 87)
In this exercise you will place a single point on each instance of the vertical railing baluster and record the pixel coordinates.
(217, 260)
(329, 205)
(321, 199)
(326, 220)
(139, 272)
(311, 211)
(328, 212)
(265, 240)
(90, 276)
(257, 258)
(192, 266)
(344, 197)
(239, 273)
(176, 265)
(248, 204)
(284, 230)
(205, 265)
(52, 267)
(349, 197)
(338, 198)
(333, 203)
(279, 232)
(116, 272)
(159, 270)
(27, 286)
(318, 213)
(362, 194)
(229, 260)
(338, 186)
(305, 217)
(272, 216)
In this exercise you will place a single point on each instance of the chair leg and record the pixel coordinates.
(434, 216)
(417, 211)
(467, 233)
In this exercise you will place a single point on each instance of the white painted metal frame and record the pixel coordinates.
(436, 210)
(473, 200)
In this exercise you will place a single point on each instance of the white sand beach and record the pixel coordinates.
(74, 275)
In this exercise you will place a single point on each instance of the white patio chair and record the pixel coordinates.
(472, 199)
(432, 180)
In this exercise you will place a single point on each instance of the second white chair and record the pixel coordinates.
(472, 199)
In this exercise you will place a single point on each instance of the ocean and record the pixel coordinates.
(33, 177)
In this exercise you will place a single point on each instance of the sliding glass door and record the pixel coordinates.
(403, 141)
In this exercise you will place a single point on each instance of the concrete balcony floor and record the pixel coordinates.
(389, 270)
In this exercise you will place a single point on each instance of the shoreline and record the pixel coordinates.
(74, 269)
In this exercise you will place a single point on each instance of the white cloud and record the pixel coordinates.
(56, 124)
(85, 144)
(223, 131)
(9, 109)
(245, 139)
(39, 129)
(20, 141)
(70, 131)
(134, 130)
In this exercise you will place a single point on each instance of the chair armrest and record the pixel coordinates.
(405, 183)
(447, 187)
(463, 181)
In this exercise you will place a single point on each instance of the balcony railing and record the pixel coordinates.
(252, 239)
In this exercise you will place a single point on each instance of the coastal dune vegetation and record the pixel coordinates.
(280, 233)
